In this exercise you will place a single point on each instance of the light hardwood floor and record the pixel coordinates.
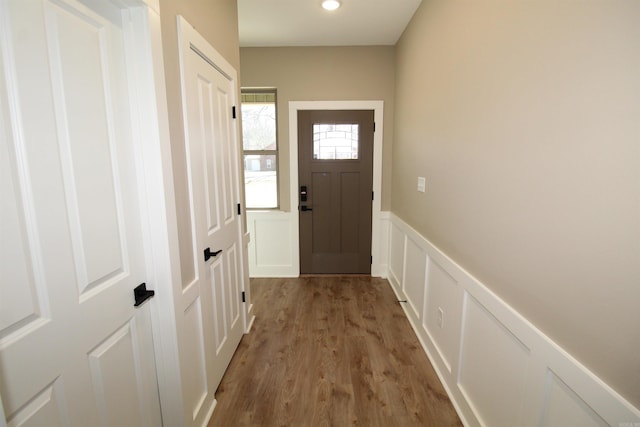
(330, 351)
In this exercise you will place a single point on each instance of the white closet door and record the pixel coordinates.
(213, 301)
(73, 349)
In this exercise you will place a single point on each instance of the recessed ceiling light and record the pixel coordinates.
(330, 4)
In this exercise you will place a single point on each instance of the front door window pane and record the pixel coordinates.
(335, 141)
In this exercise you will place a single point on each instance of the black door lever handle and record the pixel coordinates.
(304, 208)
(141, 294)
(208, 254)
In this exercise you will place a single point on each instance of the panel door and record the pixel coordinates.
(213, 301)
(73, 349)
(335, 168)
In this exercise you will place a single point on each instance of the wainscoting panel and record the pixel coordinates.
(273, 245)
(443, 305)
(380, 246)
(493, 367)
(498, 369)
(413, 285)
(396, 256)
(273, 251)
(563, 407)
(269, 235)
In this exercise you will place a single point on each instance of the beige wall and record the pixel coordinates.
(524, 117)
(216, 21)
(321, 74)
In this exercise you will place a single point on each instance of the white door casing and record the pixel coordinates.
(378, 268)
(73, 350)
(213, 310)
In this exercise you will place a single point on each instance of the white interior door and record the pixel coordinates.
(213, 301)
(73, 349)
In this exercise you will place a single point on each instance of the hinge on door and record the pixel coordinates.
(371, 259)
(239, 211)
(243, 299)
(374, 126)
(372, 196)
(233, 111)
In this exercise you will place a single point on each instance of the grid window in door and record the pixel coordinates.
(335, 141)
(260, 148)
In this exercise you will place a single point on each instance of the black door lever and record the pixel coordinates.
(305, 208)
(208, 254)
(141, 294)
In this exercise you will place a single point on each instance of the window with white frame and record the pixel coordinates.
(260, 148)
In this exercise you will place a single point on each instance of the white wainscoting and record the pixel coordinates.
(498, 369)
(273, 246)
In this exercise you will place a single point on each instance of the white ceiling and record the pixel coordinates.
(306, 23)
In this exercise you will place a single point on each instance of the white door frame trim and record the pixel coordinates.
(378, 114)
(145, 66)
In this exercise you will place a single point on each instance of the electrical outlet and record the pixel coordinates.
(422, 184)
(440, 318)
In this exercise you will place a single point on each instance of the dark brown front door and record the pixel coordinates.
(335, 163)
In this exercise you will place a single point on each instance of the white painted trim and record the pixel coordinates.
(146, 71)
(380, 267)
(271, 252)
(277, 227)
(378, 116)
(247, 315)
(544, 358)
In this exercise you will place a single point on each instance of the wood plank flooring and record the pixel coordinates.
(330, 351)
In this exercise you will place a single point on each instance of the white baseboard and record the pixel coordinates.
(498, 369)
